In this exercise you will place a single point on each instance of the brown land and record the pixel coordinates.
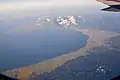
(96, 39)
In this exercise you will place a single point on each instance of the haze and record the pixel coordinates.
(41, 4)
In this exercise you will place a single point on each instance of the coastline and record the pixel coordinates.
(96, 38)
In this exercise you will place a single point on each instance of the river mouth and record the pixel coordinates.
(18, 49)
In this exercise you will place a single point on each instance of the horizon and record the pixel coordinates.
(45, 4)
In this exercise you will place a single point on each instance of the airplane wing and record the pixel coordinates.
(4, 77)
(116, 78)
(114, 5)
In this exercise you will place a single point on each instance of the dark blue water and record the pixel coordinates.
(21, 46)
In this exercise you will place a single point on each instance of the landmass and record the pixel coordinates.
(102, 63)
(96, 38)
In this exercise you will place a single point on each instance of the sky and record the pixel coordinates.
(10, 9)
(32, 4)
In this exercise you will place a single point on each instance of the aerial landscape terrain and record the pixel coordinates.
(44, 40)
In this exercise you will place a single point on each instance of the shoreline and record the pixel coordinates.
(96, 38)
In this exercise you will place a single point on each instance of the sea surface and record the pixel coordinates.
(23, 43)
